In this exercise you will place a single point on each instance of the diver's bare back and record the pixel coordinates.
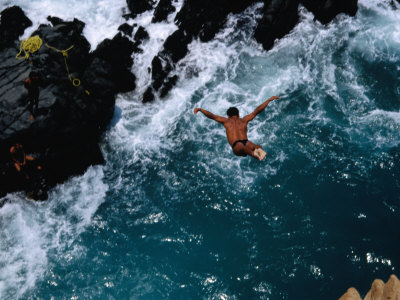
(236, 129)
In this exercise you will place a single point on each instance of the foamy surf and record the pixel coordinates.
(34, 235)
(102, 17)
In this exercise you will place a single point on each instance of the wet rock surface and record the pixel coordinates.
(12, 25)
(326, 11)
(139, 6)
(163, 9)
(76, 102)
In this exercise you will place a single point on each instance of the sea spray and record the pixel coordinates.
(102, 17)
(35, 235)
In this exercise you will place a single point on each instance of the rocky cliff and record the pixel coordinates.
(77, 92)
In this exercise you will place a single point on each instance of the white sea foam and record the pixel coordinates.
(102, 17)
(158, 33)
(381, 128)
(233, 70)
(33, 235)
(380, 40)
(148, 131)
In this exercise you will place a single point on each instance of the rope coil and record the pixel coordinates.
(30, 45)
(33, 44)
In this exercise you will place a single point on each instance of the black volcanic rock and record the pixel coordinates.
(126, 29)
(117, 51)
(279, 17)
(175, 48)
(148, 95)
(71, 119)
(169, 83)
(163, 9)
(176, 45)
(205, 18)
(158, 73)
(325, 11)
(118, 54)
(141, 35)
(12, 24)
(139, 6)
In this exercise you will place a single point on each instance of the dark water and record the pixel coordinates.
(174, 215)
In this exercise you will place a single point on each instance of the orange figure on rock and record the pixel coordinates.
(20, 159)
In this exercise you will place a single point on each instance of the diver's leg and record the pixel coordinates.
(250, 147)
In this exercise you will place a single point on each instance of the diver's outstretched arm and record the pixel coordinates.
(259, 109)
(210, 115)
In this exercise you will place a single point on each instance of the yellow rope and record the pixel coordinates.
(64, 52)
(30, 45)
(33, 44)
(75, 82)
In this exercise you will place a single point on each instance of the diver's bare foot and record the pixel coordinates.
(31, 117)
(260, 154)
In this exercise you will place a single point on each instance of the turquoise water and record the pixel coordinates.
(174, 215)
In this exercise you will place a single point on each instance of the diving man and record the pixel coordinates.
(236, 129)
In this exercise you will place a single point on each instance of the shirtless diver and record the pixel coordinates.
(236, 129)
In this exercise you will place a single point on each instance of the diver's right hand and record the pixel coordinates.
(273, 98)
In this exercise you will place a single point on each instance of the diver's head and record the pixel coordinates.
(232, 111)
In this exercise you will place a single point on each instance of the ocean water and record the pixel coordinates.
(173, 214)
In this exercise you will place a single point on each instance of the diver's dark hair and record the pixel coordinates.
(232, 111)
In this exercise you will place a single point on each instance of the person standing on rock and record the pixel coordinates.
(236, 129)
(32, 85)
(20, 159)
